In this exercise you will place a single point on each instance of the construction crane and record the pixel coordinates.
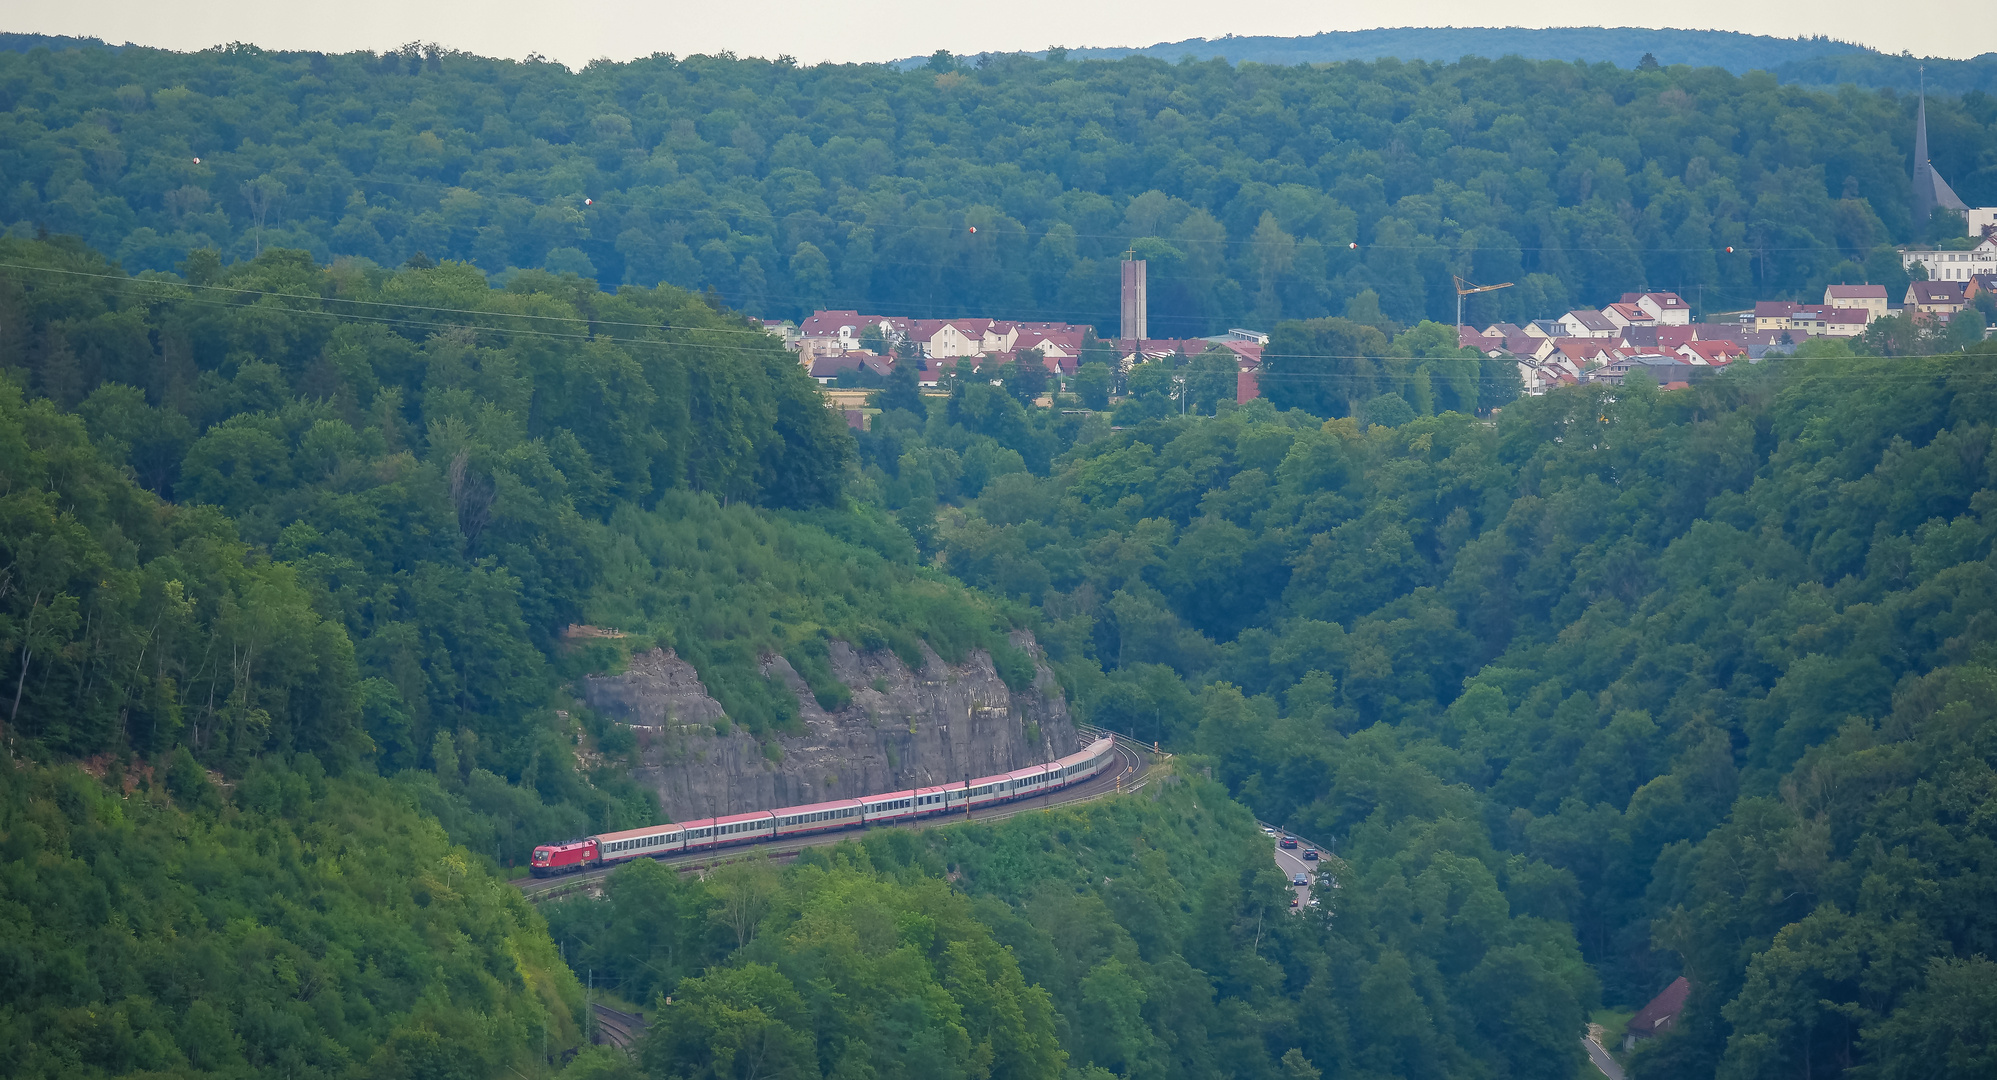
(1464, 288)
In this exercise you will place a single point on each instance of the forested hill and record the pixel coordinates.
(1818, 61)
(1623, 46)
(1257, 193)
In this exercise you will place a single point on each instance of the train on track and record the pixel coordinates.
(605, 849)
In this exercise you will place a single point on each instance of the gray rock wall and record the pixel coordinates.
(918, 727)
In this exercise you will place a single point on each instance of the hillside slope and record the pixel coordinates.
(1005, 189)
(1622, 46)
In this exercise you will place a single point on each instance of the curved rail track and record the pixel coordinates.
(1131, 773)
(617, 1028)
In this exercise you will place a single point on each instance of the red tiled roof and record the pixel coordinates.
(826, 367)
(827, 323)
(1662, 1010)
(1249, 352)
(1714, 353)
(1584, 348)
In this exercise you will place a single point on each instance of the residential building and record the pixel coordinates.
(1657, 1017)
(1711, 353)
(782, 329)
(1832, 322)
(827, 368)
(1931, 298)
(1978, 285)
(1663, 370)
(1586, 323)
(1664, 308)
(1668, 308)
(1809, 320)
(1585, 350)
(841, 329)
(1539, 377)
(1248, 366)
(1774, 314)
(1548, 328)
(1953, 265)
(1643, 337)
(1626, 316)
(1870, 299)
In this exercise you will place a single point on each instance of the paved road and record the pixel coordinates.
(1128, 774)
(1291, 863)
(1602, 1059)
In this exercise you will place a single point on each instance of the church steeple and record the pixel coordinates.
(1930, 190)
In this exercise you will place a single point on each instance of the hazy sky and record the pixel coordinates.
(576, 33)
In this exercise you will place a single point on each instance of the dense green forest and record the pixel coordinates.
(293, 925)
(1624, 46)
(1717, 656)
(1660, 682)
(279, 508)
(1144, 937)
(1809, 60)
(786, 188)
(301, 488)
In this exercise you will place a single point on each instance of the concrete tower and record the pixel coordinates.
(1134, 312)
(1930, 190)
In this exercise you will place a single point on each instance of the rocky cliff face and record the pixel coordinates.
(904, 729)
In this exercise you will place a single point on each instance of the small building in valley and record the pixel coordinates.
(1657, 1017)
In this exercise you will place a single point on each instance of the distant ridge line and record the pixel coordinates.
(1814, 61)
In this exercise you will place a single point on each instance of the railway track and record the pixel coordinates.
(617, 1028)
(1132, 773)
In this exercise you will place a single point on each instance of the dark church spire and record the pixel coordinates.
(1930, 190)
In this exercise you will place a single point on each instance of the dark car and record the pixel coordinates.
(1310, 855)
(1300, 881)
(1289, 841)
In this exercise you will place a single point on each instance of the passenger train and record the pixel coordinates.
(887, 808)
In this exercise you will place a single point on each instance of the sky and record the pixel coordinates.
(814, 31)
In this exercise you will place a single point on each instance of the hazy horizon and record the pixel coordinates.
(575, 34)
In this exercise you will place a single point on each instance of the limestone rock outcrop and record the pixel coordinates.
(903, 729)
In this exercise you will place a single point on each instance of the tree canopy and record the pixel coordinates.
(1258, 193)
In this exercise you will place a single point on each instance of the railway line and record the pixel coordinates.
(617, 1028)
(1130, 773)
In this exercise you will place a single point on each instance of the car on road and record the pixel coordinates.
(1300, 881)
(1310, 855)
(1293, 901)
(1289, 842)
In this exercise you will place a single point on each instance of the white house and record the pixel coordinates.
(1668, 308)
(1585, 323)
(1953, 265)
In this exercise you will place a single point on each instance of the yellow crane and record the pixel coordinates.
(1464, 288)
